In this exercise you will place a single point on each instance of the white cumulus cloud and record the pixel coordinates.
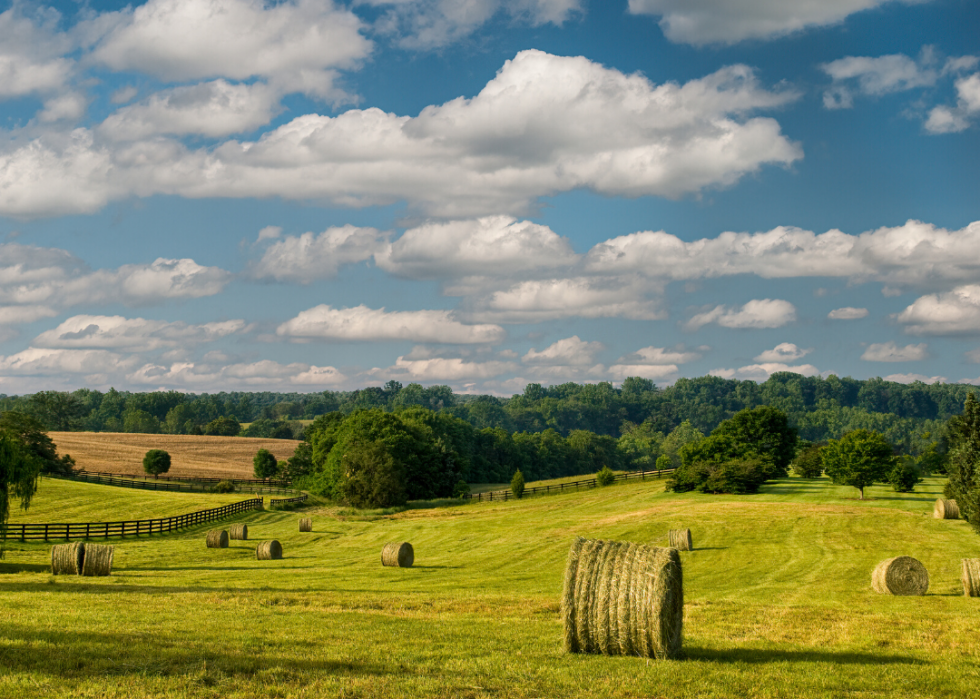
(758, 313)
(368, 324)
(261, 375)
(944, 119)
(761, 372)
(912, 378)
(308, 257)
(891, 352)
(948, 313)
(132, 334)
(443, 369)
(570, 351)
(32, 52)
(782, 353)
(848, 313)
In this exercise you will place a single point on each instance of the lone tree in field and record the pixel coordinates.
(963, 466)
(19, 471)
(264, 464)
(859, 458)
(517, 484)
(156, 461)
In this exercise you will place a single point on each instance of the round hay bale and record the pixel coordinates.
(67, 559)
(217, 539)
(98, 560)
(238, 532)
(398, 555)
(971, 577)
(305, 524)
(680, 539)
(946, 509)
(621, 598)
(268, 551)
(902, 575)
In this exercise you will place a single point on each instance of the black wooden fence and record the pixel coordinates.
(89, 530)
(272, 482)
(586, 484)
(283, 501)
(147, 484)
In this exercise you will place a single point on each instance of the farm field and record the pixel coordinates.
(191, 455)
(778, 603)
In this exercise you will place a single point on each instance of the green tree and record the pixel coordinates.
(808, 463)
(373, 477)
(31, 434)
(264, 464)
(682, 435)
(860, 458)
(517, 484)
(764, 431)
(664, 463)
(140, 421)
(156, 461)
(19, 470)
(963, 465)
(605, 476)
(223, 427)
(300, 464)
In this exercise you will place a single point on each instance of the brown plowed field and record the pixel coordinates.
(190, 455)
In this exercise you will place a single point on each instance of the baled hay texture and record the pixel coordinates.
(268, 551)
(67, 559)
(902, 575)
(621, 598)
(238, 531)
(305, 524)
(971, 577)
(98, 560)
(946, 509)
(217, 539)
(399, 555)
(680, 539)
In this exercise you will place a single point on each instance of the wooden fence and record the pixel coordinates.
(586, 484)
(89, 530)
(147, 484)
(271, 482)
(283, 501)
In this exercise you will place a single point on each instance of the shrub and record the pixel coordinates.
(905, 476)
(664, 463)
(223, 487)
(156, 461)
(517, 484)
(264, 464)
(605, 476)
(807, 463)
(223, 427)
(735, 476)
(461, 489)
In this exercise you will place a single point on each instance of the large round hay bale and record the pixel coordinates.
(217, 539)
(621, 598)
(398, 555)
(238, 532)
(305, 524)
(902, 575)
(268, 551)
(971, 577)
(946, 509)
(67, 559)
(680, 539)
(98, 560)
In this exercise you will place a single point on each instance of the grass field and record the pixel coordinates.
(777, 592)
(191, 455)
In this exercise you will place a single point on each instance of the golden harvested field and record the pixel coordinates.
(191, 455)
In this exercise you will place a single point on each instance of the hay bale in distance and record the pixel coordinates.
(238, 531)
(398, 555)
(268, 551)
(971, 577)
(67, 559)
(98, 560)
(621, 598)
(680, 539)
(946, 509)
(217, 539)
(306, 524)
(902, 575)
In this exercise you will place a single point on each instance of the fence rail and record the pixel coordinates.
(139, 484)
(89, 530)
(283, 501)
(504, 495)
(189, 479)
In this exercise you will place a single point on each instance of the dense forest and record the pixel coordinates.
(819, 408)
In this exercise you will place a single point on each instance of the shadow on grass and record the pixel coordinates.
(710, 548)
(437, 567)
(76, 654)
(6, 568)
(751, 655)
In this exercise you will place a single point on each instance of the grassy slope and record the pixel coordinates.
(778, 603)
(66, 501)
(191, 455)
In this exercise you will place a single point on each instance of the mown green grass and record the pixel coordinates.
(777, 590)
(59, 500)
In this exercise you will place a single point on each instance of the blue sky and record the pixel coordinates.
(209, 195)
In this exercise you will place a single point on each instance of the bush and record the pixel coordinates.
(808, 463)
(223, 487)
(264, 464)
(605, 476)
(462, 489)
(664, 463)
(517, 484)
(736, 476)
(156, 461)
(905, 476)
(223, 427)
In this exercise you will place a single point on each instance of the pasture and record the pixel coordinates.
(778, 603)
(191, 455)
